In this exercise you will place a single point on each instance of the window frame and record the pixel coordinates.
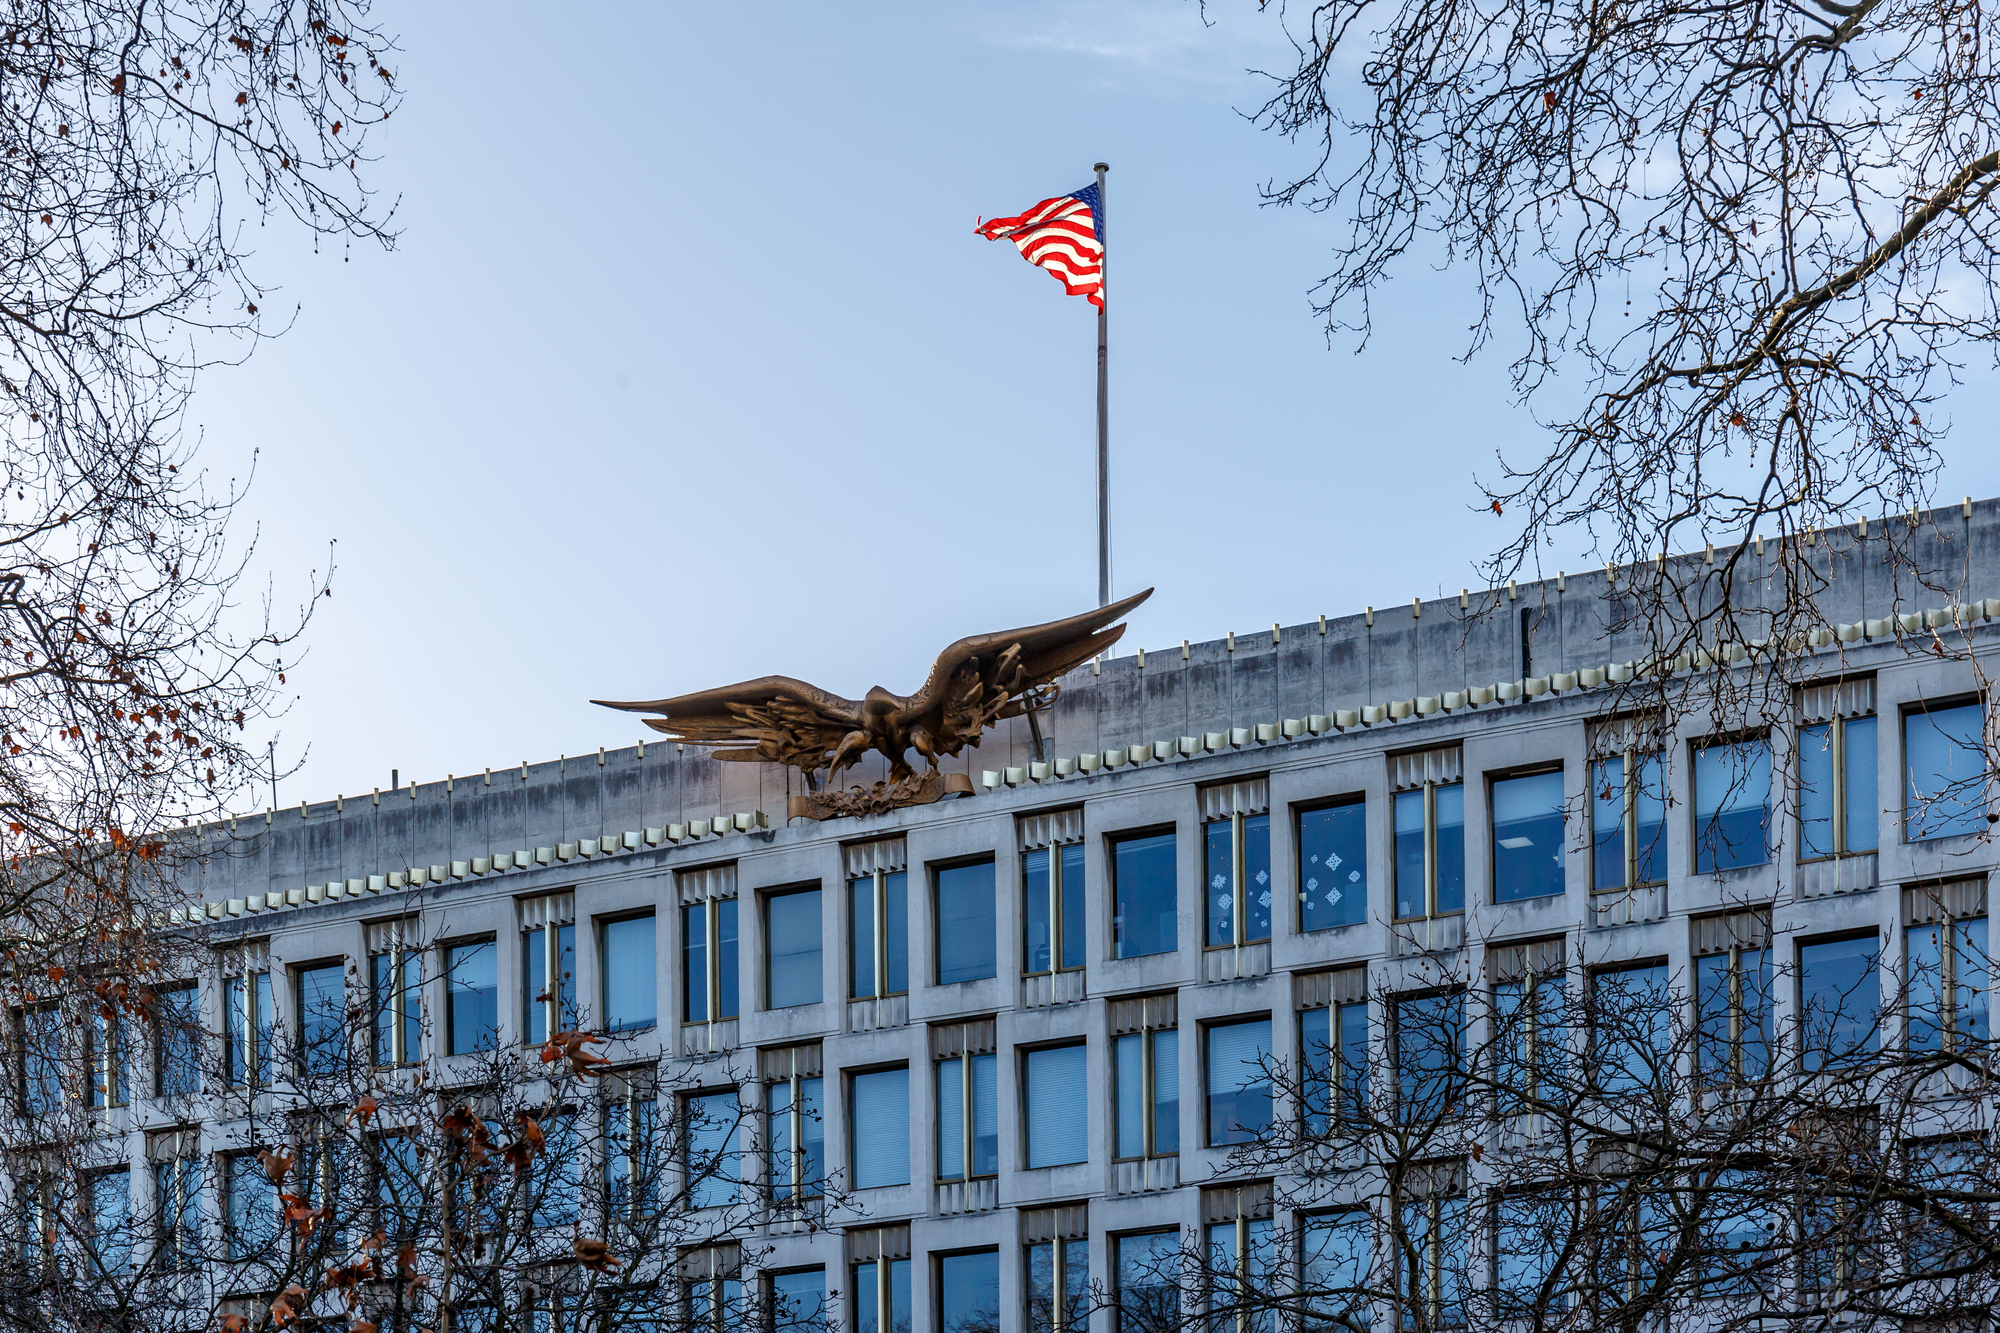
(935, 871)
(851, 1079)
(558, 985)
(305, 1058)
(1696, 844)
(1739, 1013)
(447, 950)
(938, 1260)
(1837, 796)
(1026, 1083)
(1541, 768)
(1112, 842)
(1907, 776)
(1432, 866)
(710, 910)
(1149, 1105)
(602, 926)
(1631, 759)
(1344, 800)
(882, 943)
(968, 1091)
(1834, 1060)
(165, 1045)
(1239, 873)
(1207, 1029)
(765, 898)
(1058, 890)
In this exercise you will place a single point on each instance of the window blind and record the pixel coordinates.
(1058, 1091)
(1236, 1055)
(880, 1128)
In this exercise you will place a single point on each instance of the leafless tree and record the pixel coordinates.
(142, 148)
(336, 1170)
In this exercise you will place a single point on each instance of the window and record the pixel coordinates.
(1430, 1043)
(177, 1212)
(1944, 772)
(1057, 1086)
(882, 1283)
(968, 938)
(1333, 866)
(1431, 1256)
(34, 1196)
(1532, 1231)
(1333, 1057)
(1837, 788)
(793, 969)
(1148, 1090)
(878, 1128)
(320, 995)
(250, 1023)
(1840, 995)
(556, 1178)
(548, 1008)
(798, 1301)
(1236, 867)
(1333, 1261)
(708, 972)
(1732, 979)
(1736, 1234)
(714, 1173)
(1528, 836)
(399, 1184)
(39, 1039)
(1632, 1026)
(1948, 981)
(878, 935)
(110, 1081)
(1946, 1174)
(111, 1220)
(714, 1303)
(968, 1124)
(1144, 905)
(1149, 1282)
(1430, 851)
(1244, 1281)
(1052, 909)
(396, 998)
(631, 1161)
(177, 1044)
(250, 1218)
(1059, 1286)
(631, 995)
(1531, 1037)
(797, 1138)
(1239, 1081)
(1628, 820)
(969, 1292)
(471, 997)
(1732, 805)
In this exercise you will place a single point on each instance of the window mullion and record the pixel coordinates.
(1630, 802)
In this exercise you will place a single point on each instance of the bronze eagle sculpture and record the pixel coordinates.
(973, 684)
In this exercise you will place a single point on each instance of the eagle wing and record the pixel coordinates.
(982, 678)
(774, 718)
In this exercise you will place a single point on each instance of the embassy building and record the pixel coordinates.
(1027, 1024)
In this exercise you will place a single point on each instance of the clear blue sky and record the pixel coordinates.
(689, 368)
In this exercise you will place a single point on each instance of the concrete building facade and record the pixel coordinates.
(1251, 835)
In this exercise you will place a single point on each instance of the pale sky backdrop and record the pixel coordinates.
(689, 368)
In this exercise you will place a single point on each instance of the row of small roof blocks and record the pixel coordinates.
(1184, 747)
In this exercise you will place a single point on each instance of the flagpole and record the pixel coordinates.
(1103, 405)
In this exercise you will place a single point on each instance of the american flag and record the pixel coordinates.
(1064, 235)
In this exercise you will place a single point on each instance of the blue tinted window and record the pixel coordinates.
(1239, 1081)
(878, 1128)
(1527, 837)
(1144, 906)
(539, 995)
(1222, 891)
(1947, 1000)
(969, 1292)
(630, 966)
(794, 967)
(397, 1002)
(471, 997)
(1840, 997)
(1430, 1041)
(893, 939)
(968, 936)
(1944, 766)
(1634, 1014)
(1333, 866)
(1058, 1088)
(1732, 806)
(1733, 1016)
(714, 1148)
(1038, 912)
(322, 1010)
(954, 1117)
(798, 1301)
